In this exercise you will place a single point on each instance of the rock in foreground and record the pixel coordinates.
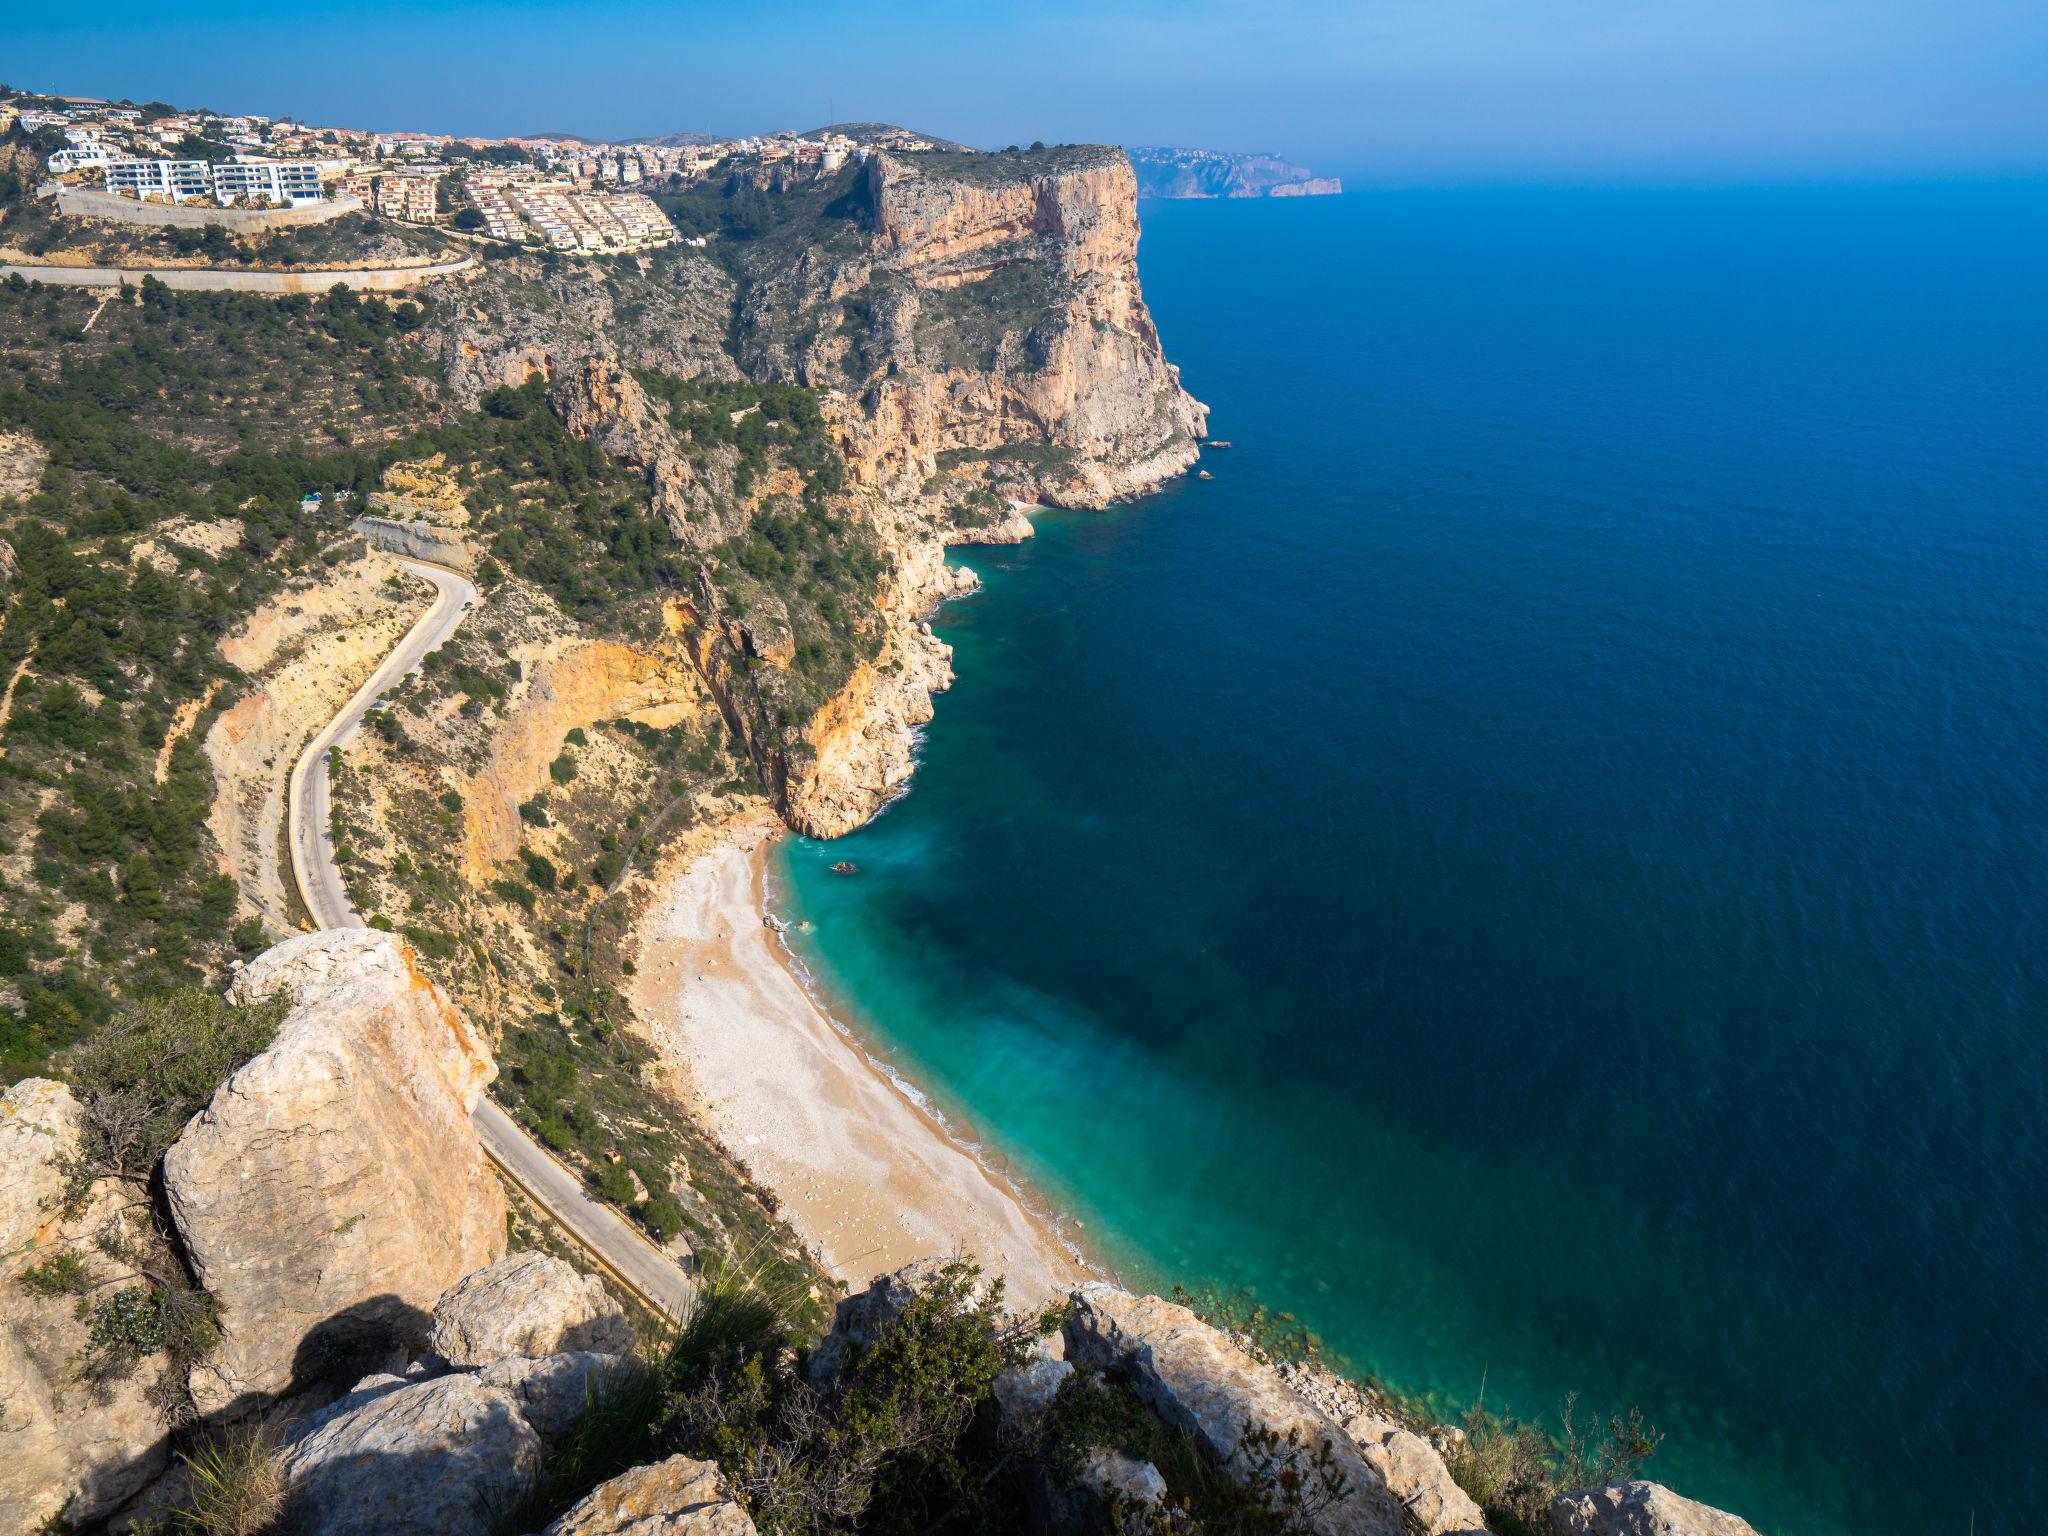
(59, 1439)
(435, 1458)
(334, 1187)
(668, 1498)
(1198, 1380)
(1640, 1509)
(527, 1305)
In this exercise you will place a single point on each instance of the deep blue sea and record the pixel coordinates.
(1540, 868)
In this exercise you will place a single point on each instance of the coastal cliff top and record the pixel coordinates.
(1004, 166)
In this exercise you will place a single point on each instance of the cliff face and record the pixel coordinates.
(975, 337)
(992, 327)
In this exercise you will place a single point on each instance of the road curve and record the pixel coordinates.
(606, 1236)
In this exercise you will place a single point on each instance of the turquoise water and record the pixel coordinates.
(1540, 868)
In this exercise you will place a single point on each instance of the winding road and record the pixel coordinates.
(607, 1237)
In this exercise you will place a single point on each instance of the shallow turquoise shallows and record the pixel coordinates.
(1540, 868)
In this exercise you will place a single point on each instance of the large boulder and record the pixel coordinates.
(527, 1305)
(677, 1497)
(335, 1188)
(445, 1457)
(1198, 1380)
(553, 1392)
(1640, 1509)
(60, 1440)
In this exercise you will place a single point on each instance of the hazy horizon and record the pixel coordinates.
(1396, 92)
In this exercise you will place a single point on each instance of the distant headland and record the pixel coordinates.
(1184, 173)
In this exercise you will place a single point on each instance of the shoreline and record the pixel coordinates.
(866, 1171)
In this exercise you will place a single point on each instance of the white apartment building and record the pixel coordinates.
(159, 181)
(80, 156)
(267, 181)
(178, 181)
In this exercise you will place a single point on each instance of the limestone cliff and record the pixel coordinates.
(975, 333)
(994, 318)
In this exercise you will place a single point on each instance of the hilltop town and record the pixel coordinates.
(550, 191)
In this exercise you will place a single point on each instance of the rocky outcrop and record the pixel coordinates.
(449, 1447)
(61, 1441)
(537, 318)
(677, 1497)
(1412, 1466)
(432, 1458)
(553, 1391)
(975, 331)
(526, 1305)
(334, 1188)
(419, 541)
(1073, 374)
(1198, 1380)
(1640, 1509)
(576, 685)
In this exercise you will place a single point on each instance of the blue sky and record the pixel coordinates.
(1382, 90)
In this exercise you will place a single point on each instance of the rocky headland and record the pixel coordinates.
(1203, 173)
(253, 1241)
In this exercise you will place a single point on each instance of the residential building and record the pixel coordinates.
(267, 181)
(415, 199)
(89, 154)
(159, 181)
(178, 181)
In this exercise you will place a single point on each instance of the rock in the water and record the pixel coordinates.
(668, 1498)
(335, 1188)
(554, 1392)
(59, 1440)
(1640, 1509)
(1197, 1380)
(445, 1457)
(527, 1305)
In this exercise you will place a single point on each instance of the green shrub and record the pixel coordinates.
(153, 1068)
(663, 1217)
(132, 1324)
(540, 871)
(235, 1484)
(615, 1183)
(62, 1274)
(516, 892)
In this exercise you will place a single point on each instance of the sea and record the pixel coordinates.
(1537, 872)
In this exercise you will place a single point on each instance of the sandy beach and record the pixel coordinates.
(866, 1176)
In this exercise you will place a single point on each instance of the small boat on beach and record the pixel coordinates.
(1215, 442)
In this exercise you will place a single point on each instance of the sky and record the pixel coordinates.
(1382, 91)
